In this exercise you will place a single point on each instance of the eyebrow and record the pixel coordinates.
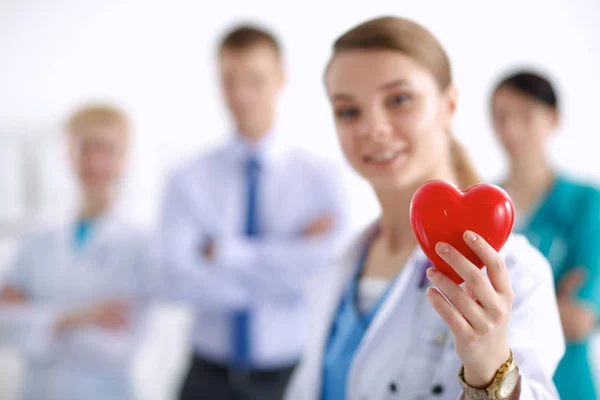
(385, 86)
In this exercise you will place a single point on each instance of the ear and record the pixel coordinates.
(282, 75)
(72, 148)
(555, 119)
(450, 100)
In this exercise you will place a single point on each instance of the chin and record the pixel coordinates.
(393, 182)
(96, 190)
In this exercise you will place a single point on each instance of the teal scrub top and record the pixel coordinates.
(565, 227)
(346, 333)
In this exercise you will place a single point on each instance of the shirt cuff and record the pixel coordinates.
(41, 340)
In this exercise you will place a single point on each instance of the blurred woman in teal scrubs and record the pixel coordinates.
(559, 215)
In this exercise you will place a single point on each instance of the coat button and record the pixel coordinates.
(393, 387)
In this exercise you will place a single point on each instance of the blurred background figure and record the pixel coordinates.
(558, 214)
(73, 300)
(243, 227)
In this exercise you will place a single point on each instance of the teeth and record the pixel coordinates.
(385, 156)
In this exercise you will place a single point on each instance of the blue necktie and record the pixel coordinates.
(241, 319)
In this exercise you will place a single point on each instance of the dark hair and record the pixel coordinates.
(415, 41)
(533, 85)
(245, 36)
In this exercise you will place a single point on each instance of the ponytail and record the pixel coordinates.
(466, 174)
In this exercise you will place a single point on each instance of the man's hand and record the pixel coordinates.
(209, 250)
(12, 295)
(319, 226)
(577, 320)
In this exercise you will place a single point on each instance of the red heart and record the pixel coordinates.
(441, 212)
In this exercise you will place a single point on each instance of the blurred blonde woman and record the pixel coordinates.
(72, 301)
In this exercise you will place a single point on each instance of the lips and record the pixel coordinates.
(383, 157)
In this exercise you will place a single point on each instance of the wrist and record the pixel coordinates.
(481, 375)
(69, 321)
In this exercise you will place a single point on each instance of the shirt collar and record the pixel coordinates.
(268, 149)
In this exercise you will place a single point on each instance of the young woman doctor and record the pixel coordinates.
(73, 298)
(378, 331)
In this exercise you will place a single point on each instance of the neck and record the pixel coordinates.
(255, 134)
(396, 231)
(529, 177)
(94, 206)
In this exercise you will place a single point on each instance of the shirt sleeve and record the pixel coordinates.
(586, 252)
(281, 265)
(21, 269)
(23, 326)
(29, 329)
(189, 277)
(109, 349)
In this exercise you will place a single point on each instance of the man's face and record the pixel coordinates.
(252, 79)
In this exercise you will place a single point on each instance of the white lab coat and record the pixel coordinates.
(88, 363)
(404, 355)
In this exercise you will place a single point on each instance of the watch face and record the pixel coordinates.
(509, 383)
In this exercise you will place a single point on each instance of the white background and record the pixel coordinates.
(157, 60)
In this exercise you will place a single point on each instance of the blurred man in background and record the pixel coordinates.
(73, 299)
(243, 227)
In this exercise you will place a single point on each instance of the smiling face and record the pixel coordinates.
(98, 158)
(391, 117)
(97, 148)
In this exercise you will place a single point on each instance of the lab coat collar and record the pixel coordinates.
(106, 227)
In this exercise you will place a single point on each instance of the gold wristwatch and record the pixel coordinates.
(502, 386)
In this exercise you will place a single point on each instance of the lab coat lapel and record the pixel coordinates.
(387, 309)
(62, 258)
(330, 286)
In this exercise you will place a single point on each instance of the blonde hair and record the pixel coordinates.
(97, 114)
(413, 40)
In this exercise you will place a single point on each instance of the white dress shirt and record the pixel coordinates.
(206, 201)
(86, 363)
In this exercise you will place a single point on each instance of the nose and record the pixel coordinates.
(376, 125)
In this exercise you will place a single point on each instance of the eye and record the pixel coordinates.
(346, 113)
(400, 99)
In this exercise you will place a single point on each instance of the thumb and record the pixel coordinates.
(571, 281)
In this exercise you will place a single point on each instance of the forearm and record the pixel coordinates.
(277, 265)
(205, 285)
(28, 328)
(108, 348)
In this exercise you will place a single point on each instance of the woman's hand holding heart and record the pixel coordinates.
(481, 312)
